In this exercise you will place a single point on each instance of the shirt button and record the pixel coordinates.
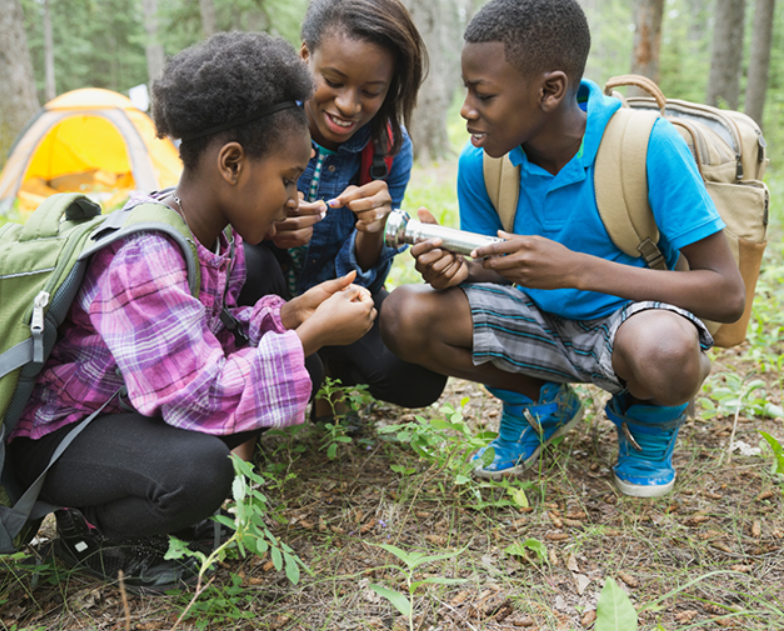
(331, 168)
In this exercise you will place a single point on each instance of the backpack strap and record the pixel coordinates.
(502, 181)
(376, 163)
(621, 185)
(154, 217)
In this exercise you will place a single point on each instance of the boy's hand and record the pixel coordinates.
(297, 228)
(440, 268)
(371, 203)
(533, 262)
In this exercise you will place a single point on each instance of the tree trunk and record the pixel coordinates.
(17, 83)
(50, 90)
(647, 38)
(440, 24)
(154, 49)
(726, 53)
(208, 23)
(759, 63)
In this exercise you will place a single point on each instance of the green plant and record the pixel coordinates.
(405, 603)
(338, 397)
(251, 533)
(445, 443)
(778, 453)
(731, 394)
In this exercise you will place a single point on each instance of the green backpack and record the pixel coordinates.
(42, 264)
(729, 151)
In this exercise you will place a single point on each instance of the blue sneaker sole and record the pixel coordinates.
(643, 490)
(481, 472)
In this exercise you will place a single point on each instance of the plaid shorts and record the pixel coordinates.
(513, 334)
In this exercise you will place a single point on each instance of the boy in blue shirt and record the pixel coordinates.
(557, 302)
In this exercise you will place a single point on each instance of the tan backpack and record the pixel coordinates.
(729, 151)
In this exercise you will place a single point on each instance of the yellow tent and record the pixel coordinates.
(89, 140)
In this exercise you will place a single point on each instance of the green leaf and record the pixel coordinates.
(536, 546)
(519, 497)
(614, 611)
(332, 451)
(292, 569)
(239, 488)
(461, 479)
(261, 546)
(400, 554)
(400, 601)
(778, 451)
(277, 558)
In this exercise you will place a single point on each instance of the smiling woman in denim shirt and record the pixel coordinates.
(368, 62)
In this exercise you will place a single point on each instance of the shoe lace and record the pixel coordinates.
(648, 446)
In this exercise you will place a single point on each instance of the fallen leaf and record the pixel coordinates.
(628, 579)
(556, 536)
(571, 564)
(756, 529)
(766, 494)
(582, 582)
(460, 598)
(438, 540)
(742, 568)
(555, 519)
(686, 616)
(589, 618)
(554, 560)
(575, 515)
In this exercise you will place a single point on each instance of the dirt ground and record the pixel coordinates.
(707, 556)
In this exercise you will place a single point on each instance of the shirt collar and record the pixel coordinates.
(599, 109)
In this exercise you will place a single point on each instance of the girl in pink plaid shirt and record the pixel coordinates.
(131, 478)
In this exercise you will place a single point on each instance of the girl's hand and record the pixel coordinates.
(440, 268)
(297, 228)
(345, 316)
(299, 309)
(334, 312)
(371, 203)
(534, 262)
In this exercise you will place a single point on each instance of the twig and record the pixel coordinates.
(199, 591)
(121, 578)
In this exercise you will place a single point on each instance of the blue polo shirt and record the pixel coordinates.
(563, 208)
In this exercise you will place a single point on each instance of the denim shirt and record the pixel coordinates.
(331, 250)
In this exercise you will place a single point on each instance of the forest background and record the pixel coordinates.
(538, 552)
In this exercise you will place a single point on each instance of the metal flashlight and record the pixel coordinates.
(402, 229)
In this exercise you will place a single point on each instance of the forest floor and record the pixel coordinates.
(533, 552)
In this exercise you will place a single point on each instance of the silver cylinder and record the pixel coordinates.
(400, 229)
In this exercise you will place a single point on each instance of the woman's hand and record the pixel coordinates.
(297, 228)
(371, 203)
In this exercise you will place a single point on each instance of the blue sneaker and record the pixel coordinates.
(527, 427)
(646, 440)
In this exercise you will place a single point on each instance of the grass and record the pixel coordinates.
(542, 551)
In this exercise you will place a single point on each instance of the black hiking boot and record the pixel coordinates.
(81, 546)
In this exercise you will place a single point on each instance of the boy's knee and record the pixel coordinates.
(400, 318)
(664, 353)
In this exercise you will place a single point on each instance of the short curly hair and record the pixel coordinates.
(538, 35)
(386, 23)
(230, 77)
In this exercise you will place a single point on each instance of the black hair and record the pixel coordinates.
(386, 23)
(538, 35)
(230, 77)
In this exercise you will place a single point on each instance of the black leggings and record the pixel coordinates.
(132, 476)
(366, 361)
